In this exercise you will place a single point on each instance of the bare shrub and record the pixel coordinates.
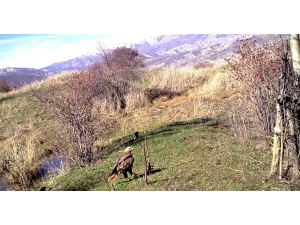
(122, 59)
(71, 105)
(255, 71)
(239, 120)
(116, 70)
(5, 86)
(74, 103)
(154, 93)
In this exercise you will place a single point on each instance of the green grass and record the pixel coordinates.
(197, 155)
(19, 109)
(194, 155)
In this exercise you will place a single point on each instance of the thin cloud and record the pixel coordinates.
(38, 51)
(41, 50)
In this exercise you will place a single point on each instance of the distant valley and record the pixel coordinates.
(21, 76)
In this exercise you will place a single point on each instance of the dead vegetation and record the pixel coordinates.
(255, 69)
(177, 95)
(6, 87)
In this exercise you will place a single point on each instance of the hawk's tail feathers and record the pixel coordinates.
(113, 177)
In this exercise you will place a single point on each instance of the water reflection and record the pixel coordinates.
(3, 186)
(52, 164)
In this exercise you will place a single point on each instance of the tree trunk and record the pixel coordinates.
(288, 96)
(292, 143)
(277, 141)
(295, 49)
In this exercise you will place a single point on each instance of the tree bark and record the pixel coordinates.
(293, 148)
(295, 49)
(286, 103)
(277, 141)
(292, 140)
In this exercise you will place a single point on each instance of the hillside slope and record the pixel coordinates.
(196, 155)
(190, 145)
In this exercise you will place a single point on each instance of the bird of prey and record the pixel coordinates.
(123, 165)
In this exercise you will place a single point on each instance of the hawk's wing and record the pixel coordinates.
(125, 163)
(122, 163)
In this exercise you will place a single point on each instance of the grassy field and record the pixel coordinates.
(188, 139)
(197, 155)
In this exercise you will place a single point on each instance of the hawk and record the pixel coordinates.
(123, 165)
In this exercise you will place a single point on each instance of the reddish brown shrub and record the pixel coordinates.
(5, 86)
(255, 69)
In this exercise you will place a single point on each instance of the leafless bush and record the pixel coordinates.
(240, 120)
(255, 70)
(115, 71)
(121, 59)
(203, 64)
(5, 86)
(154, 93)
(71, 104)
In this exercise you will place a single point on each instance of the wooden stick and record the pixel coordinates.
(147, 156)
(145, 162)
(281, 153)
(113, 189)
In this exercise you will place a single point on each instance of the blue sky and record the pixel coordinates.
(40, 50)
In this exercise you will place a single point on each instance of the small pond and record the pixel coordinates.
(52, 164)
(3, 186)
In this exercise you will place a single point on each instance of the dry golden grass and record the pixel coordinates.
(58, 78)
(177, 79)
(203, 94)
(19, 156)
